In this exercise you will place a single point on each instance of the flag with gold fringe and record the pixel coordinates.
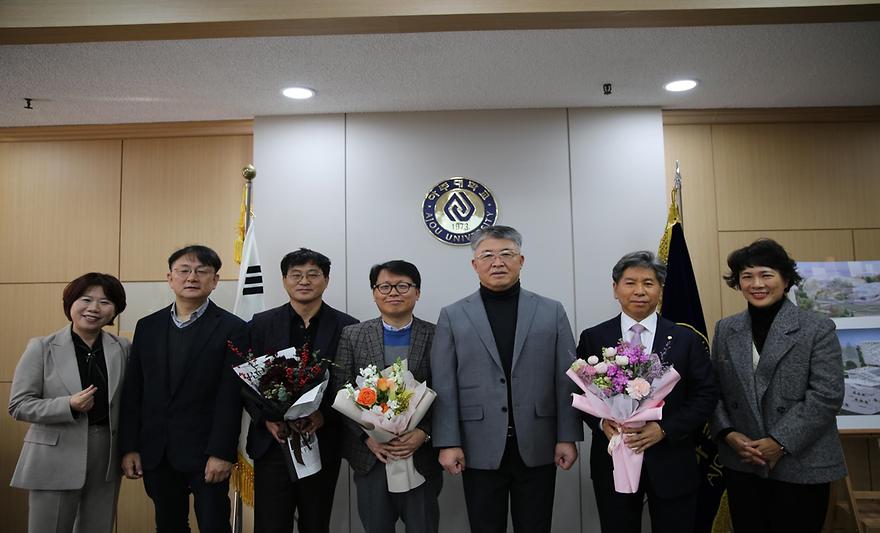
(681, 304)
(248, 301)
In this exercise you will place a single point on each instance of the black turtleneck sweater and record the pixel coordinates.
(501, 309)
(762, 319)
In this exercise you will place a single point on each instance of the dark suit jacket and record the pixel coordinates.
(197, 417)
(361, 345)
(671, 464)
(793, 396)
(270, 332)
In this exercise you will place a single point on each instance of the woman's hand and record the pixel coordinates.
(84, 400)
(746, 448)
(770, 450)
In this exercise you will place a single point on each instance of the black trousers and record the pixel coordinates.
(277, 497)
(530, 491)
(170, 489)
(380, 509)
(622, 513)
(760, 505)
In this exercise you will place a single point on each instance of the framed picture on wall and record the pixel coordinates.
(849, 293)
(840, 289)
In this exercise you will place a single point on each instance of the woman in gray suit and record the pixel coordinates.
(67, 386)
(781, 377)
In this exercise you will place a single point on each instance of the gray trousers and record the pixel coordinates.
(91, 509)
(379, 509)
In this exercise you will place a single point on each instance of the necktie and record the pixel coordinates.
(637, 330)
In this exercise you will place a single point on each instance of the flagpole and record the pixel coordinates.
(248, 173)
(676, 192)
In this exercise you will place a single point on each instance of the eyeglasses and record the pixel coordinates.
(506, 256)
(201, 272)
(311, 275)
(402, 287)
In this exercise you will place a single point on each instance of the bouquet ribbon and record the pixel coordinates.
(626, 412)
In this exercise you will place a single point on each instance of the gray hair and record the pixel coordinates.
(640, 259)
(496, 232)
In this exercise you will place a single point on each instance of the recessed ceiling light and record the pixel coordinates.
(298, 93)
(678, 86)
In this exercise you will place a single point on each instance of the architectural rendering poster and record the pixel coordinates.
(849, 293)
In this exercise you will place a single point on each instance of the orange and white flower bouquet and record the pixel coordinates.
(387, 404)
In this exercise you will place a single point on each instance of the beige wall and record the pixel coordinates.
(806, 179)
(119, 205)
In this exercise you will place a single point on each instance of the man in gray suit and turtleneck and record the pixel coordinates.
(503, 406)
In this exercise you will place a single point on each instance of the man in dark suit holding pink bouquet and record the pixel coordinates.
(669, 473)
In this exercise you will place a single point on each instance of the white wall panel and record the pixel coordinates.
(299, 196)
(618, 195)
(393, 161)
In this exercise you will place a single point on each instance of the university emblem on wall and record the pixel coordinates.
(457, 207)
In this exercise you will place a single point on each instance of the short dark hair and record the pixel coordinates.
(399, 267)
(205, 255)
(640, 259)
(765, 253)
(112, 287)
(304, 256)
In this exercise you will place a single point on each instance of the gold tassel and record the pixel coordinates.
(243, 479)
(671, 220)
(722, 517)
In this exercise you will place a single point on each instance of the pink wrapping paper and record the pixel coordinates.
(627, 464)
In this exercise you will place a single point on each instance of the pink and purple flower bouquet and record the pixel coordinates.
(625, 384)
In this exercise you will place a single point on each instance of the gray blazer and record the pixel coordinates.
(793, 395)
(54, 453)
(471, 406)
(361, 345)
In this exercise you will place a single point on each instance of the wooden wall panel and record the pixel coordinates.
(807, 245)
(867, 244)
(797, 176)
(59, 209)
(177, 192)
(692, 146)
(37, 312)
(13, 502)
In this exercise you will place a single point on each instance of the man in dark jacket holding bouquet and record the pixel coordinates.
(306, 321)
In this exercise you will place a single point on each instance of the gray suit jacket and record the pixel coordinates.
(54, 453)
(471, 406)
(361, 345)
(793, 395)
